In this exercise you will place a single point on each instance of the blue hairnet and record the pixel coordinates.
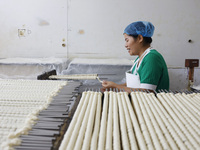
(143, 28)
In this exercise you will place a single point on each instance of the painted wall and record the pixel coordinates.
(73, 28)
(96, 27)
(32, 28)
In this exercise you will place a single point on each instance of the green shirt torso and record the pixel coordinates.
(153, 70)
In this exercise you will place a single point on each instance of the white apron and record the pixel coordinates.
(133, 80)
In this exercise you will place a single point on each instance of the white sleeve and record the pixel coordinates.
(148, 86)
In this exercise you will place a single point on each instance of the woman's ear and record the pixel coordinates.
(140, 38)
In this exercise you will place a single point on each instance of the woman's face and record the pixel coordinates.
(132, 45)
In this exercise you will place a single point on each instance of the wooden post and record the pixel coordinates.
(191, 63)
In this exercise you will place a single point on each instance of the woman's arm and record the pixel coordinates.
(113, 85)
(110, 84)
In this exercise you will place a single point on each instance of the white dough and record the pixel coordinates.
(138, 133)
(116, 129)
(123, 127)
(164, 136)
(82, 105)
(149, 123)
(75, 76)
(103, 127)
(135, 98)
(131, 135)
(109, 131)
(80, 126)
(89, 129)
(147, 119)
(20, 103)
(95, 135)
(174, 130)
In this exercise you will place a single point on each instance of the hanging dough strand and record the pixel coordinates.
(148, 122)
(132, 139)
(186, 111)
(74, 120)
(123, 127)
(183, 102)
(109, 132)
(179, 139)
(177, 118)
(138, 133)
(158, 140)
(81, 123)
(185, 119)
(75, 76)
(184, 139)
(143, 126)
(168, 140)
(95, 135)
(90, 124)
(102, 133)
(116, 129)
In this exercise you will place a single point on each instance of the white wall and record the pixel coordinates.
(44, 23)
(96, 27)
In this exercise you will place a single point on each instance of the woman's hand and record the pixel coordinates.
(108, 84)
(112, 85)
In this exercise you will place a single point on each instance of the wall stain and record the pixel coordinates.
(43, 23)
(81, 31)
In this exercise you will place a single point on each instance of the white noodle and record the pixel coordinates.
(81, 122)
(74, 120)
(181, 100)
(158, 138)
(188, 105)
(132, 140)
(90, 125)
(169, 123)
(175, 125)
(186, 118)
(143, 126)
(179, 120)
(140, 138)
(75, 76)
(168, 140)
(152, 133)
(94, 140)
(20, 103)
(124, 134)
(116, 133)
(102, 133)
(109, 124)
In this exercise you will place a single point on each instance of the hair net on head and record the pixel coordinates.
(143, 28)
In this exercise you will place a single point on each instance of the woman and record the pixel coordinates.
(149, 71)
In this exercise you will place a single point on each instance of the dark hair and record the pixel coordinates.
(147, 40)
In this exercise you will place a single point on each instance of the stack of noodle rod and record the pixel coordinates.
(141, 120)
(75, 76)
(21, 102)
